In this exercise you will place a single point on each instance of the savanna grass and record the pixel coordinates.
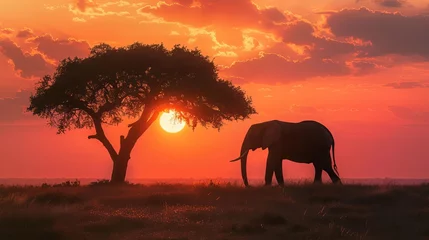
(213, 210)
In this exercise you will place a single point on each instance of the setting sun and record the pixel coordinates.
(169, 123)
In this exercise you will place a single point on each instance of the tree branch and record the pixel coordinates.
(151, 120)
(148, 116)
(92, 137)
(82, 105)
(144, 117)
(100, 136)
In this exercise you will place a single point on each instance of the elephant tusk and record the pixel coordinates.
(242, 155)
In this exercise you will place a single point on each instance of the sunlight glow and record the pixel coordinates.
(169, 123)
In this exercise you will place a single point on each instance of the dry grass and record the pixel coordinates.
(214, 211)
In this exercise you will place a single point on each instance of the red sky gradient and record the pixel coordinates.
(361, 67)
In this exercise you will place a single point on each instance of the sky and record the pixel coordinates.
(360, 67)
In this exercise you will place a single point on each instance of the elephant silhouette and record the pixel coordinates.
(302, 142)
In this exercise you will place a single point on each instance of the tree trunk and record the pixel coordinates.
(120, 160)
(119, 170)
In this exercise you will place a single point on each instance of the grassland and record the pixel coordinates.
(214, 211)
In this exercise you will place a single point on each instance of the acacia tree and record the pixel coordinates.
(138, 82)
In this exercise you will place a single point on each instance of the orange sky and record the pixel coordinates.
(361, 67)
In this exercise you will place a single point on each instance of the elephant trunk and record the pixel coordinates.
(243, 157)
(245, 148)
(244, 153)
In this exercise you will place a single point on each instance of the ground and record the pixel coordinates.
(214, 211)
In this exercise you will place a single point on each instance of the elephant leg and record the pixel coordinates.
(278, 170)
(272, 159)
(269, 171)
(317, 172)
(327, 166)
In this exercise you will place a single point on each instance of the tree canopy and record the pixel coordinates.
(137, 81)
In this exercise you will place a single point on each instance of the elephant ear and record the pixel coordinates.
(271, 134)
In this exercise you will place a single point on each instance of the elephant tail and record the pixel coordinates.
(333, 150)
(333, 156)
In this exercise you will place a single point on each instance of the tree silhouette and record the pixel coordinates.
(138, 81)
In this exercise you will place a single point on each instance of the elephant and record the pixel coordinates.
(302, 142)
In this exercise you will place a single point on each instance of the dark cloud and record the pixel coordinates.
(303, 33)
(409, 114)
(407, 85)
(59, 49)
(387, 3)
(13, 109)
(272, 68)
(389, 33)
(238, 14)
(274, 15)
(283, 50)
(28, 65)
(298, 32)
(328, 48)
(35, 65)
(25, 33)
(364, 67)
(226, 14)
(244, 14)
(390, 3)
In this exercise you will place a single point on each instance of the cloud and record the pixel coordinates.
(13, 109)
(78, 19)
(387, 3)
(284, 50)
(232, 21)
(304, 33)
(228, 18)
(50, 7)
(239, 14)
(83, 5)
(6, 31)
(278, 32)
(272, 69)
(59, 49)
(91, 9)
(25, 33)
(363, 67)
(119, 3)
(407, 85)
(407, 113)
(390, 3)
(45, 51)
(186, 3)
(388, 33)
(28, 65)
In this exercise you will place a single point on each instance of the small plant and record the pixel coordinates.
(99, 182)
(211, 183)
(75, 183)
(102, 182)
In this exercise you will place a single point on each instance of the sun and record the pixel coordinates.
(169, 123)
